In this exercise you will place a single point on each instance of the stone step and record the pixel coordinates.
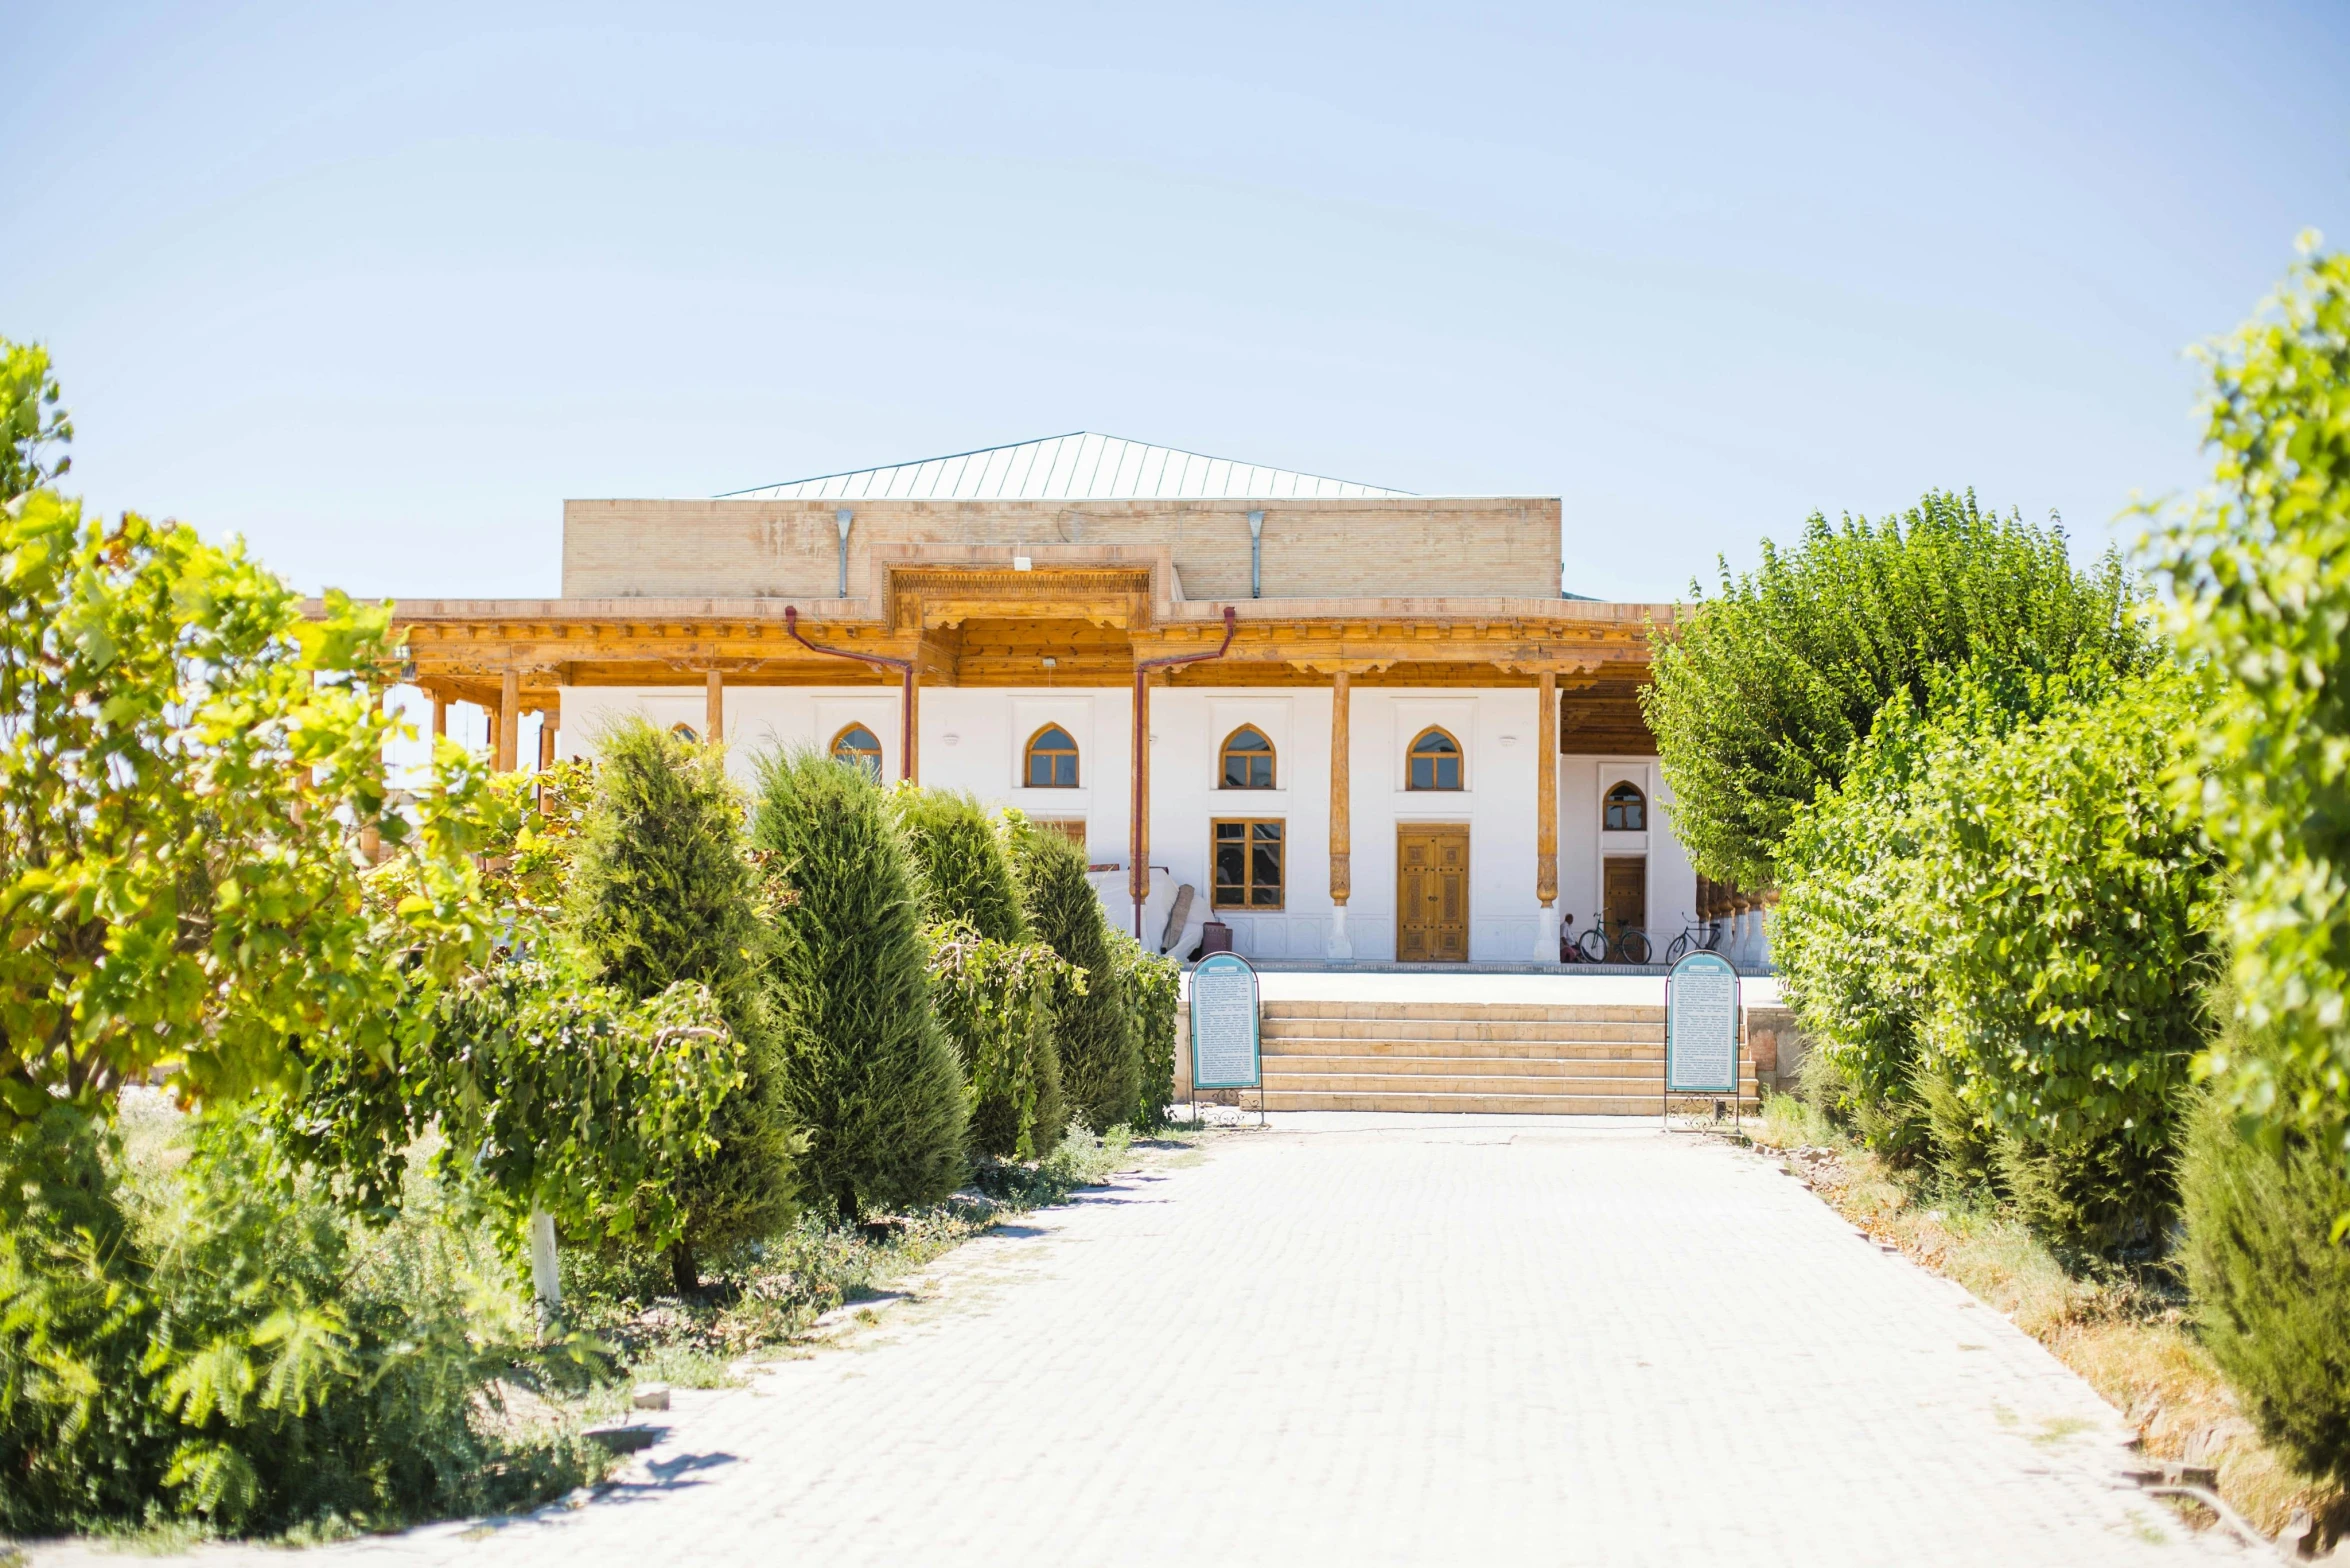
(1497, 1012)
(1447, 1045)
(1461, 1029)
(1476, 1104)
(1480, 1066)
(1556, 1086)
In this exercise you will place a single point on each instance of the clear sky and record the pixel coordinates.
(379, 287)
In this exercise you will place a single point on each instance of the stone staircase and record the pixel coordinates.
(1563, 1059)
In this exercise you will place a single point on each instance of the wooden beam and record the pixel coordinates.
(714, 707)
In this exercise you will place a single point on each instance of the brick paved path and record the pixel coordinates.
(1505, 1344)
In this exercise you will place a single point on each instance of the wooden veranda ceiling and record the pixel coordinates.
(967, 626)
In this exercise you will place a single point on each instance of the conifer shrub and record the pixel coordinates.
(965, 865)
(868, 1074)
(1154, 985)
(2270, 1275)
(662, 891)
(1094, 1028)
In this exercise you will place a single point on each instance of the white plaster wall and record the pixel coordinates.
(972, 738)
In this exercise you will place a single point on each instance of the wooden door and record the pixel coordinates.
(1625, 895)
(1432, 895)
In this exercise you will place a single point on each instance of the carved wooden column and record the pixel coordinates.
(509, 742)
(370, 838)
(1546, 817)
(714, 707)
(910, 732)
(440, 715)
(546, 740)
(1341, 827)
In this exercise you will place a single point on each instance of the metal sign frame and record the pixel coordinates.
(1256, 1032)
(1707, 1094)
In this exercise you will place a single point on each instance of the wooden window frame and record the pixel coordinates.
(1028, 754)
(856, 753)
(1460, 761)
(1248, 864)
(1070, 828)
(1608, 802)
(1271, 754)
(686, 732)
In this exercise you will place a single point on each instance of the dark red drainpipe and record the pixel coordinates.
(1138, 874)
(905, 669)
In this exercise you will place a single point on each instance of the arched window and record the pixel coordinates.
(1626, 810)
(1434, 762)
(1052, 760)
(1248, 759)
(686, 733)
(857, 745)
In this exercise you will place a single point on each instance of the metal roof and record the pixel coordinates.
(1080, 466)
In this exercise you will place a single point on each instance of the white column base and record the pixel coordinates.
(1340, 946)
(1546, 936)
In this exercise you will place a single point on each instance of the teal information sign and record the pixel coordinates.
(1225, 1053)
(1701, 1026)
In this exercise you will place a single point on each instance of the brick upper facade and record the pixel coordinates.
(1383, 547)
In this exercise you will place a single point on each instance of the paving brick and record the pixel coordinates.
(1389, 1342)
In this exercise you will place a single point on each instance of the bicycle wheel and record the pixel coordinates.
(1676, 947)
(1632, 944)
(1594, 945)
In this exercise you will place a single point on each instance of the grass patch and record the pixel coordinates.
(2124, 1330)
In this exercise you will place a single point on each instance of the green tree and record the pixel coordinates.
(30, 419)
(2260, 567)
(2066, 908)
(187, 764)
(1759, 696)
(662, 892)
(1094, 1028)
(1996, 927)
(868, 1074)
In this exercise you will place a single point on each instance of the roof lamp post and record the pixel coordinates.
(1256, 555)
(841, 518)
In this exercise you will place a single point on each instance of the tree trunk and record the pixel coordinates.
(545, 1276)
(684, 1273)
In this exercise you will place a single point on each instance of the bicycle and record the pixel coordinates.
(1703, 936)
(1629, 944)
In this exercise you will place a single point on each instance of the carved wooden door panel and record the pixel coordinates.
(1625, 892)
(1432, 895)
